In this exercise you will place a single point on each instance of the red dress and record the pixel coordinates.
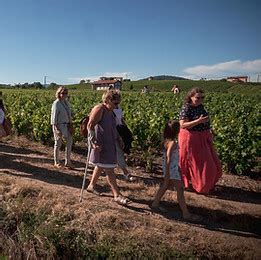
(198, 160)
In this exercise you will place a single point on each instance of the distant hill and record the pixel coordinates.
(4, 86)
(164, 77)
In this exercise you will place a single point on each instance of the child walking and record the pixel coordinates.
(171, 171)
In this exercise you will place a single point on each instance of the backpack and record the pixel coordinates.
(83, 126)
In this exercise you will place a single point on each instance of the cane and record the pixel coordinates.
(86, 167)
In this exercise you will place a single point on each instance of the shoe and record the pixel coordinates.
(58, 165)
(69, 166)
(128, 177)
(123, 201)
(93, 191)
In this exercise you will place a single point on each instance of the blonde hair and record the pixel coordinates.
(59, 90)
(111, 95)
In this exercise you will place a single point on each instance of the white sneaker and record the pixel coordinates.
(128, 177)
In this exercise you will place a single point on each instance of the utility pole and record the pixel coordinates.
(45, 81)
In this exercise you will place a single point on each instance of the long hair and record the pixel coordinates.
(192, 93)
(171, 130)
(59, 90)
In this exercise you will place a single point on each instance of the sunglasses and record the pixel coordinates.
(200, 97)
(64, 93)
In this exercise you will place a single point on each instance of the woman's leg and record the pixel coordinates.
(68, 149)
(111, 178)
(57, 146)
(95, 176)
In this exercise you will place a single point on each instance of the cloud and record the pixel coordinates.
(106, 74)
(224, 69)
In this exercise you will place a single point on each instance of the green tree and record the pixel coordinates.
(52, 85)
(37, 85)
(82, 81)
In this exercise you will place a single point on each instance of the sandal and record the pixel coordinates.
(122, 200)
(93, 191)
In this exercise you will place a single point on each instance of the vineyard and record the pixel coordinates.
(40, 213)
(235, 119)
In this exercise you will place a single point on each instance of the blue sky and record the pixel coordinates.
(70, 40)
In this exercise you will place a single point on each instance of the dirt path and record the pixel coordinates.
(231, 225)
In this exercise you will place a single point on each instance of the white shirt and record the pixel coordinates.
(119, 115)
(61, 112)
(2, 116)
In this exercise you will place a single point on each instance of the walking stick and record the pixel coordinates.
(86, 167)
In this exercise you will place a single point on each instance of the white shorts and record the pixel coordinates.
(105, 165)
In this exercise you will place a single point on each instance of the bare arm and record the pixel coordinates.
(95, 116)
(185, 124)
(169, 149)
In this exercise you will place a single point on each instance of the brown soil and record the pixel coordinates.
(231, 215)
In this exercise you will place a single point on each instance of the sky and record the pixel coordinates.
(70, 40)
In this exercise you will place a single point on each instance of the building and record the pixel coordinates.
(105, 83)
(237, 79)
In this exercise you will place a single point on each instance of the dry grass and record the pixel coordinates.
(41, 217)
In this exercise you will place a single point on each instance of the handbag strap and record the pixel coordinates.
(66, 107)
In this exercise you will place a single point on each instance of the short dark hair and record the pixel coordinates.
(171, 130)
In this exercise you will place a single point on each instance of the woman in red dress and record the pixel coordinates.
(199, 163)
